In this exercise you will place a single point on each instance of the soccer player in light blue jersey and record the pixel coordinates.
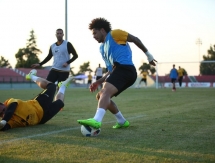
(121, 74)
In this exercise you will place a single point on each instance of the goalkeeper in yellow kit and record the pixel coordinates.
(18, 113)
(144, 78)
(180, 75)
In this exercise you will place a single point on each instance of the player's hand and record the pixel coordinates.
(150, 58)
(153, 62)
(94, 86)
(35, 65)
(65, 64)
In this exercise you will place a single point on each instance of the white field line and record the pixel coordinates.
(56, 132)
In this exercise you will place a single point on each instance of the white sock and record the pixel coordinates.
(62, 89)
(67, 80)
(99, 114)
(119, 117)
(34, 78)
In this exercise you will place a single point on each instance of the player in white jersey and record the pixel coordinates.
(99, 73)
(60, 51)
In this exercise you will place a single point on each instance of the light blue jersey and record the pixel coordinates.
(112, 52)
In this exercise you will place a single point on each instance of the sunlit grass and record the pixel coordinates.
(165, 126)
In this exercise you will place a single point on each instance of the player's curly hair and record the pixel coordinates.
(99, 23)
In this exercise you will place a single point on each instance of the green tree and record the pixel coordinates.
(29, 55)
(208, 68)
(148, 67)
(85, 67)
(4, 63)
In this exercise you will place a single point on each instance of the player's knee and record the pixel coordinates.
(51, 85)
(97, 96)
(100, 93)
(60, 103)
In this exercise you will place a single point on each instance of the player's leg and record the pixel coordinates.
(52, 76)
(62, 88)
(54, 107)
(144, 80)
(112, 87)
(172, 81)
(139, 83)
(58, 104)
(42, 83)
(46, 97)
(121, 121)
(174, 88)
(62, 76)
(180, 81)
(89, 83)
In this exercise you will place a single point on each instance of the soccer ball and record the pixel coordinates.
(89, 131)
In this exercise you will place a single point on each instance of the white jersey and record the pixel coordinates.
(99, 71)
(61, 56)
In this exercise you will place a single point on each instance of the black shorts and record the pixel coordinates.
(144, 80)
(45, 99)
(173, 80)
(122, 77)
(56, 75)
(89, 81)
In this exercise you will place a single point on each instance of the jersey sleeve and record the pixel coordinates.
(119, 36)
(71, 49)
(10, 111)
(48, 57)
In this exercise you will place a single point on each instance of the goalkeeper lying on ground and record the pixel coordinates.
(19, 113)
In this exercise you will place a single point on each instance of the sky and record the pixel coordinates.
(168, 28)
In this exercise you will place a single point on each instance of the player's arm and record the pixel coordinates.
(95, 85)
(48, 57)
(8, 114)
(137, 42)
(101, 80)
(140, 45)
(71, 50)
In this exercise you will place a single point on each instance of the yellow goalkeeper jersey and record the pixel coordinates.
(180, 72)
(144, 74)
(27, 113)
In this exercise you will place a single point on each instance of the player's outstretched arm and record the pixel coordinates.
(48, 57)
(140, 45)
(7, 116)
(95, 85)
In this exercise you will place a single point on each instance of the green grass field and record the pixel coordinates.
(165, 127)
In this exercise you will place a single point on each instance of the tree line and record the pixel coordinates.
(29, 55)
